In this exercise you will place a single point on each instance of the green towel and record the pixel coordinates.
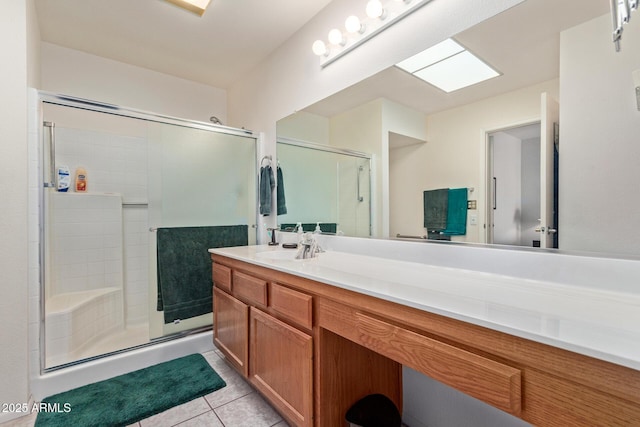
(456, 212)
(184, 267)
(435, 209)
(281, 202)
(266, 187)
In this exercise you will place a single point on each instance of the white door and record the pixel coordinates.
(550, 114)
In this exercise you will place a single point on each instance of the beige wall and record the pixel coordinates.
(305, 126)
(13, 215)
(75, 73)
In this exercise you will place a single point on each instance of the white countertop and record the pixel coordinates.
(604, 324)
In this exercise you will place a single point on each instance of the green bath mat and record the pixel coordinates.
(131, 397)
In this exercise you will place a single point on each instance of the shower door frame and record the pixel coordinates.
(45, 97)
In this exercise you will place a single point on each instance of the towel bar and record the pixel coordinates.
(402, 236)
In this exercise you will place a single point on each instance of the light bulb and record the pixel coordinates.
(319, 48)
(335, 37)
(353, 25)
(375, 9)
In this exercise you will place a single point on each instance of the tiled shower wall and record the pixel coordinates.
(85, 242)
(117, 164)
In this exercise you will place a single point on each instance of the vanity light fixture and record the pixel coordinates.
(379, 16)
(376, 10)
(320, 48)
(336, 38)
(448, 66)
(353, 25)
(196, 6)
(621, 14)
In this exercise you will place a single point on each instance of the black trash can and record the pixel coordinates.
(374, 410)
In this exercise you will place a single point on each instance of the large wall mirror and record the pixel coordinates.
(545, 149)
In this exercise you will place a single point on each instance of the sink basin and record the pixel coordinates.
(280, 255)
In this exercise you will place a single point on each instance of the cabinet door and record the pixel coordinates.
(231, 329)
(281, 366)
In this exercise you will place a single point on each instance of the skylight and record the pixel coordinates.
(448, 66)
(196, 6)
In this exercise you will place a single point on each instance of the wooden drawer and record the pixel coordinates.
(221, 277)
(292, 305)
(485, 379)
(249, 289)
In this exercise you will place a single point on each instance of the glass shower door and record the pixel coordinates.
(197, 178)
(98, 251)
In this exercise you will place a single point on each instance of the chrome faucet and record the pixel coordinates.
(308, 247)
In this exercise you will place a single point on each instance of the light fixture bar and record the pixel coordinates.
(374, 26)
(196, 6)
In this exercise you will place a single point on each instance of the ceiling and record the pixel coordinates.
(232, 37)
(523, 43)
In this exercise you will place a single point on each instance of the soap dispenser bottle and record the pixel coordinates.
(81, 180)
(317, 230)
(299, 231)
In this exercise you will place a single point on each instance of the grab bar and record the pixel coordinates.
(52, 154)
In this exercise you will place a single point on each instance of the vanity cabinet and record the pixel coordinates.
(274, 354)
(314, 349)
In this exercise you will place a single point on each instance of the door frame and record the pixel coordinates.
(486, 175)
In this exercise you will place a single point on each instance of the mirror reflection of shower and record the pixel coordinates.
(100, 252)
(326, 185)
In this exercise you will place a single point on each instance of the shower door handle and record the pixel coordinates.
(495, 193)
(360, 198)
(52, 154)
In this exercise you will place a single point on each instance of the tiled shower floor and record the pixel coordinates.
(236, 405)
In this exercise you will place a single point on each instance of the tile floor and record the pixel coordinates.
(236, 405)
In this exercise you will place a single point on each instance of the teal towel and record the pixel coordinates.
(266, 188)
(456, 212)
(281, 202)
(184, 267)
(435, 209)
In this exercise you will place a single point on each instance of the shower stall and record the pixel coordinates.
(100, 257)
